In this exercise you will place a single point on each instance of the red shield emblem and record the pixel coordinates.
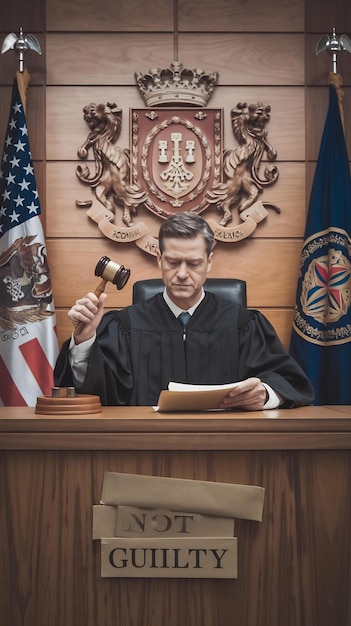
(176, 157)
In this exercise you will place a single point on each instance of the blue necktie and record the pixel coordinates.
(184, 317)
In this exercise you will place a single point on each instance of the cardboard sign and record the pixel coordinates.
(195, 496)
(205, 557)
(127, 521)
(157, 527)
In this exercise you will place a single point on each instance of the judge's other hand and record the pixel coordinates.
(249, 394)
(89, 311)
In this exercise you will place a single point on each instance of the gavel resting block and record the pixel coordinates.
(64, 401)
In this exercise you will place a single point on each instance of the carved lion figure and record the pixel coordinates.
(242, 183)
(111, 178)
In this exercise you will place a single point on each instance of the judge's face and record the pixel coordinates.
(184, 264)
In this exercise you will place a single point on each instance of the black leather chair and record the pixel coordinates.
(232, 289)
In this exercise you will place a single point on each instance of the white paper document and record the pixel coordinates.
(185, 397)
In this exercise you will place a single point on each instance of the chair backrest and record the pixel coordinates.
(232, 289)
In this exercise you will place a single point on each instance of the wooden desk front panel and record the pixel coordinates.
(293, 568)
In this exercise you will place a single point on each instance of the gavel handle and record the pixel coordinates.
(100, 288)
(98, 291)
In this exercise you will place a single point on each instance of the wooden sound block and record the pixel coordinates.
(75, 405)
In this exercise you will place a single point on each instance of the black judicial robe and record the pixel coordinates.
(143, 347)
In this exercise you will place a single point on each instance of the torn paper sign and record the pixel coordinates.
(181, 494)
(132, 521)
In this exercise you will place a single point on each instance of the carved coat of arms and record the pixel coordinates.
(25, 286)
(176, 161)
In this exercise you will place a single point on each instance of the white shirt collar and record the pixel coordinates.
(175, 309)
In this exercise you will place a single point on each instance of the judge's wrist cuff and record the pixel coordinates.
(81, 350)
(272, 398)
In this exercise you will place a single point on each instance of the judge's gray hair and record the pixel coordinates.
(187, 226)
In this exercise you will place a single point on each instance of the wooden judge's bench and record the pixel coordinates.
(294, 567)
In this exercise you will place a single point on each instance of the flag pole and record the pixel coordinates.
(23, 79)
(337, 81)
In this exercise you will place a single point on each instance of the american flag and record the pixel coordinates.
(28, 341)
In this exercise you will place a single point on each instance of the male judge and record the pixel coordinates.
(127, 357)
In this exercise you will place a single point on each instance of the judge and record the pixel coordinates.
(127, 357)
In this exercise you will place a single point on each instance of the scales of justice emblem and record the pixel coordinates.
(176, 161)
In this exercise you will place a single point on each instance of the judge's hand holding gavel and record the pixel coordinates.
(87, 312)
(86, 315)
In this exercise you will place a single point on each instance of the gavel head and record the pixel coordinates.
(114, 273)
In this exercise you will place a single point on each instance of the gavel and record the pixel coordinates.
(110, 272)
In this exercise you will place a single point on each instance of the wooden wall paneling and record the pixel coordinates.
(103, 58)
(108, 15)
(251, 59)
(247, 59)
(198, 15)
(29, 15)
(270, 268)
(74, 263)
(322, 16)
(250, 16)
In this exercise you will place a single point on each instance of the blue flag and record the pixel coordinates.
(321, 334)
(28, 341)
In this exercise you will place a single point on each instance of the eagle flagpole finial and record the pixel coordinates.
(21, 43)
(333, 44)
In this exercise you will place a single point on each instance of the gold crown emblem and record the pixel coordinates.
(176, 85)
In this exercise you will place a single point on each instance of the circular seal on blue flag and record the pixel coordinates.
(322, 312)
